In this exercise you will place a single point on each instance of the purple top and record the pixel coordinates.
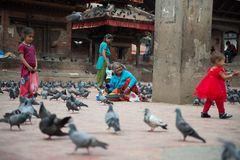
(29, 54)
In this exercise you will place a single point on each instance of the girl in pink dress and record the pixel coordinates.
(29, 61)
(212, 87)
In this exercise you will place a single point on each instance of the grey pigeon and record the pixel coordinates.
(77, 102)
(104, 99)
(17, 111)
(27, 107)
(75, 16)
(52, 125)
(12, 93)
(112, 119)
(71, 106)
(15, 120)
(153, 121)
(44, 94)
(185, 128)
(230, 151)
(43, 112)
(64, 97)
(85, 94)
(84, 140)
(56, 96)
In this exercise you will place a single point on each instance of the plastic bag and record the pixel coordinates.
(33, 83)
(133, 97)
(108, 73)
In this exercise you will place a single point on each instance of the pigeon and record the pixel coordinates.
(153, 121)
(85, 94)
(56, 96)
(80, 104)
(64, 97)
(27, 107)
(75, 16)
(197, 101)
(230, 151)
(17, 111)
(44, 94)
(185, 128)
(12, 94)
(112, 119)
(15, 120)
(1, 91)
(43, 112)
(71, 106)
(52, 125)
(34, 102)
(84, 140)
(77, 102)
(104, 99)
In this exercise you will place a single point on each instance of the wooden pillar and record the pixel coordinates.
(96, 46)
(90, 51)
(93, 52)
(137, 53)
(4, 32)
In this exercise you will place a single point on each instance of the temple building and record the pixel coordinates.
(127, 23)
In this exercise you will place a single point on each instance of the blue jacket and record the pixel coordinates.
(118, 82)
(100, 62)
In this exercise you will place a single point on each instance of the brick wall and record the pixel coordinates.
(10, 38)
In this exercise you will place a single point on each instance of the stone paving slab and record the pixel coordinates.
(133, 143)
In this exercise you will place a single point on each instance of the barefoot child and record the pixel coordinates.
(29, 61)
(212, 87)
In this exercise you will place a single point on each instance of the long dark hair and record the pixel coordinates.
(26, 31)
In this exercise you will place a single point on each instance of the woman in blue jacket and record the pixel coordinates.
(122, 82)
(103, 59)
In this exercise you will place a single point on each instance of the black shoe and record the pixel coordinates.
(225, 116)
(205, 115)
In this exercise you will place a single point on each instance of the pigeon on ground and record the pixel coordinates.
(77, 102)
(71, 106)
(64, 97)
(43, 112)
(52, 125)
(27, 107)
(197, 102)
(84, 140)
(17, 111)
(153, 121)
(12, 93)
(85, 94)
(56, 96)
(185, 128)
(104, 99)
(1, 91)
(112, 119)
(230, 151)
(44, 94)
(15, 120)
(80, 104)
(34, 102)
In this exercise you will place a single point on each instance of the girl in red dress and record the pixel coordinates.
(212, 87)
(29, 61)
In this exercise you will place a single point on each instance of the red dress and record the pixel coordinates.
(212, 86)
(29, 54)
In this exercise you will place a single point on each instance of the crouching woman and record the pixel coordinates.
(122, 82)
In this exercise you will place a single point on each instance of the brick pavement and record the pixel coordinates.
(133, 143)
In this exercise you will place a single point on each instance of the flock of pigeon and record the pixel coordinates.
(52, 125)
